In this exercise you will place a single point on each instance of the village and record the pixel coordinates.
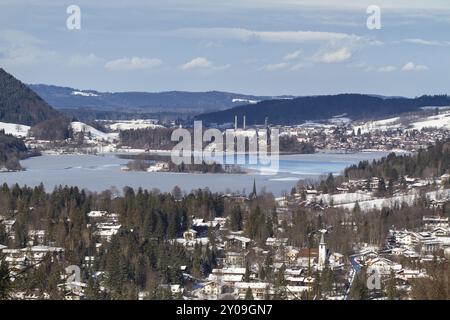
(366, 136)
(275, 269)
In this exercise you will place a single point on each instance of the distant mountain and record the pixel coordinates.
(298, 110)
(193, 102)
(19, 104)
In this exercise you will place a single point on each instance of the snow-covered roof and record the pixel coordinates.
(42, 249)
(226, 277)
(251, 285)
(229, 271)
(97, 213)
(239, 238)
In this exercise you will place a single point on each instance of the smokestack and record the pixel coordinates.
(243, 127)
(235, 122)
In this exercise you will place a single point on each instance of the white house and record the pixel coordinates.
(259, 289)
(383, 265)
(212, 288)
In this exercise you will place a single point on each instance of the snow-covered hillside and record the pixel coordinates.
(245, 101)
(17, 130)
(132, 124)
(345, 198)
(391, 202)
(382, 125)
(84, 94)
(441, 120)
(93, 134)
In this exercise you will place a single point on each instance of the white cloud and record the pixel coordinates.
(84, 61)
(199, 62)
(246, 35)
(428, 42)
(297, 66)
(341, 5)
(411, 66)
(334, 56)
(202, 63)
(293, 55)
(285, 4)
(276, 66)
(135, 63)
(16, 36)
(20, 48)
(387, 69)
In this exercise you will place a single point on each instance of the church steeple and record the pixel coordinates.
(322, 253)
(253, 195)
(322, 239)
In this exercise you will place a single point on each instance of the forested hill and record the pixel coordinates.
(431, 162)
(12, 150)
(19, 104)
(175, 101)
(297, 110)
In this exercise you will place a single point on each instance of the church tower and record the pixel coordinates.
(253, 195)
(322, 253)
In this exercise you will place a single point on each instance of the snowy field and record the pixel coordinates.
(17, 130)
(348, 203)
(441, 120)
(93, 134)
(132, 124)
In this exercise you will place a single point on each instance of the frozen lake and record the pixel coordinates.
(98, 173)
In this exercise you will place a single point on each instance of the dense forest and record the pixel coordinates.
(19, 104)
(297, 110)
(292, 145)
(52, 129)
(160, 139)
(12, 150)
(143, 165)
(150, 138)
(90, 115)
(142, 257)
(433, 161)
(139, 257)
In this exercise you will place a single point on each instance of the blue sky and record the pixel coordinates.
(265, 47)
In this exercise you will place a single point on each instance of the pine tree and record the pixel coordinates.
(317, 286)
(249, 294)
(359, 290)
(236, 219)
(5, 281)
(3, 235)
(92, 291)
(391, 289)
(327, 278)
(280, 286)
(247, 273)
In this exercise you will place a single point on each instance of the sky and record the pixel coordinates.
(261, 47)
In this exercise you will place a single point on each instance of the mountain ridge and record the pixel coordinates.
(68, 98)
(315, 108)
